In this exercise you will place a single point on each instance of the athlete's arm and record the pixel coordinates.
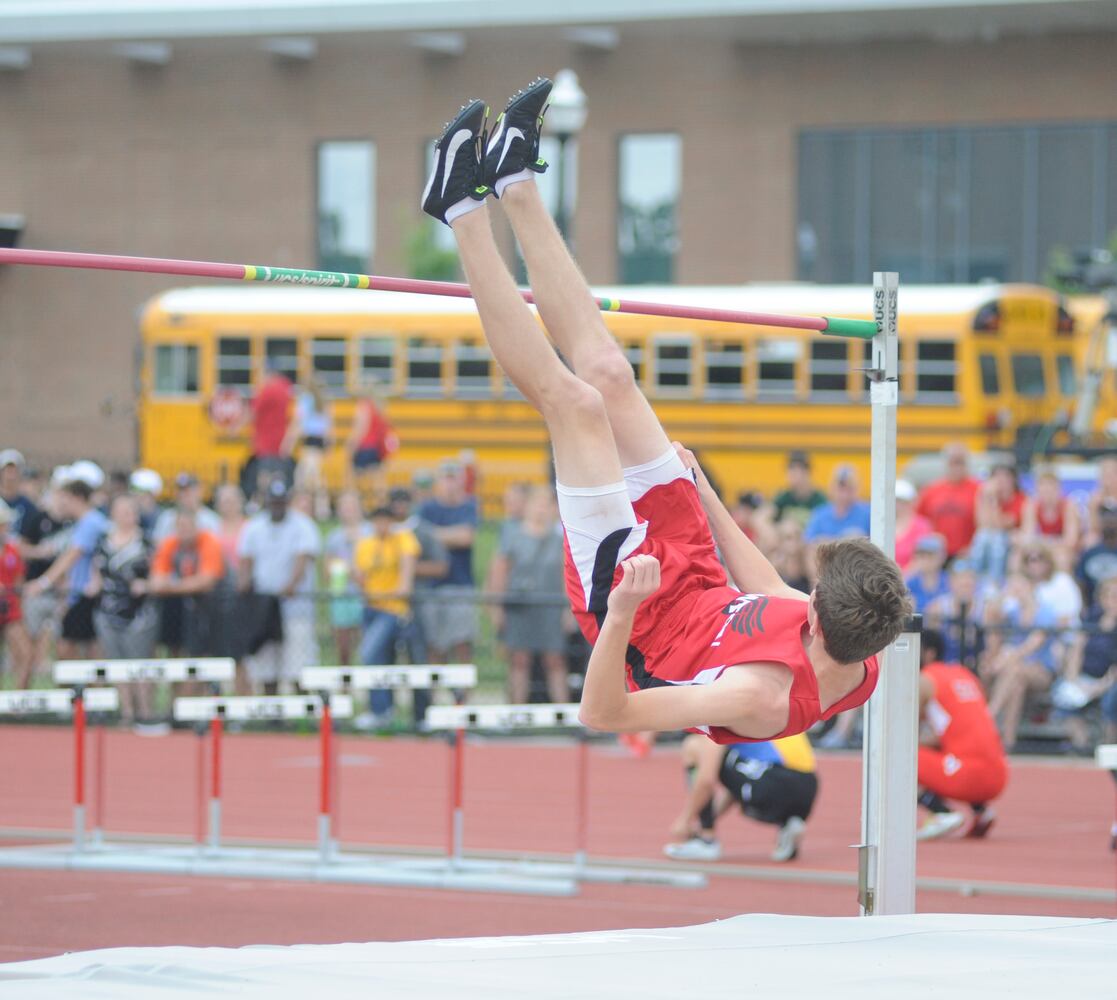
(748, 566)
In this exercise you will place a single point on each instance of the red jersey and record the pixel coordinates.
(696, 626)
(1012, 511)
(270, 416)
(950, 507)
(378, 436)
(11, 576)
(1051, 522)
(959, 714)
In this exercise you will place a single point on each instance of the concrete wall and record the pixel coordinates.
(212, 156)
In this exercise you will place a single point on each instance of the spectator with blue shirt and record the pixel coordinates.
(844, 516)
(74, 566)
(929, 581)
(449, 617)
(773, 781)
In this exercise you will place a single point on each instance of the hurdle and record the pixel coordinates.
(76, 703)
(428, 676)
(215, 711)
(504, 719)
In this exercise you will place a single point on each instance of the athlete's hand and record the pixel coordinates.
(639, 582)
(690, 462)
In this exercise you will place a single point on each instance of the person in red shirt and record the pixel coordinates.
(371, 441)
(675, 647)
(950, 503)
(12, 571)
(960, 755)
(271, 416)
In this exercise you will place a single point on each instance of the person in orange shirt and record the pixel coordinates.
(960, 755)
(187, 567)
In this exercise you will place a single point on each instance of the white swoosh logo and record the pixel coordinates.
(512, 134)
(495, 137)
(460, 137)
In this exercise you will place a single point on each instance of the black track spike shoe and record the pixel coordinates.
(513, 144)
(456, 173)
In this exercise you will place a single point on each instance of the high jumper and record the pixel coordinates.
(675, 646)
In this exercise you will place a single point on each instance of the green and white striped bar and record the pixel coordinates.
(419, 676)
(216, 669)
(264, 707)
(503, 717)
(57, 701)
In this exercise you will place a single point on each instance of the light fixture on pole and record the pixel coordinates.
(566, 116)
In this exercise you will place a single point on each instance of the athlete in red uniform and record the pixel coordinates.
(643, 574)
(961, 756)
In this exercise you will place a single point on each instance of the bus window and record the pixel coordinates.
(829, 368)
(472, 369)
(635, 355)
(673, 362)
(424, 367)
(1027, 376)
(328, 363)
(375, 357)
(990, 376)
(725, 369)
(775, 367)
(234, 361)
(282, 355)
(935, 371)
(1068, 381)
(176, 369)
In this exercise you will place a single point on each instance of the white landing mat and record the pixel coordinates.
(754, 956)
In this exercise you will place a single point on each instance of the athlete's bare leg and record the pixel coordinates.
(574, 322)
(585, 454)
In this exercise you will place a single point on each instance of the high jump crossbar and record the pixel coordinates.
(858, 328)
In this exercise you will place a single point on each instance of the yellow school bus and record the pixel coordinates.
(979, 364)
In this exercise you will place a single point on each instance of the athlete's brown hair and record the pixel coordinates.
(860, 598)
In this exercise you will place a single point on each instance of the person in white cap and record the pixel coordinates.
(147, 485)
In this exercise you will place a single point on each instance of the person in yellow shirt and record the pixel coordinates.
(384, 567)
(773, 782)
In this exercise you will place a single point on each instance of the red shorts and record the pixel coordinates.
(968, 778)
(10, 609)
(656, 512)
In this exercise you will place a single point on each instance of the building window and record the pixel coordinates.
(281, 354)
(375, 357)
(424, 367)
(674, 358)
(473, 365)
(650, 179)
(635, 355)
(725, 369)
(234, 361)
(953, 205)
(328, 362)
(346, 205)
(176, 369)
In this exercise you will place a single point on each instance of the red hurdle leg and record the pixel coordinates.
(455, 823)
(326, 785)
(200, 800)
(215, 728)
(79, 770)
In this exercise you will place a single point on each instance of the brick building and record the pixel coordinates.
(726, 141)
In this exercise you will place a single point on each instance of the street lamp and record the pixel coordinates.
(566, 115)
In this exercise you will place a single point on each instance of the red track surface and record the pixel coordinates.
(1053, 830)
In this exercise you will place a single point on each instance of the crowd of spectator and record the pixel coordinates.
(1022, 583)
(95, 565)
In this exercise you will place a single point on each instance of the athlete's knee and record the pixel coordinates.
(608, 370)
(572, 399)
